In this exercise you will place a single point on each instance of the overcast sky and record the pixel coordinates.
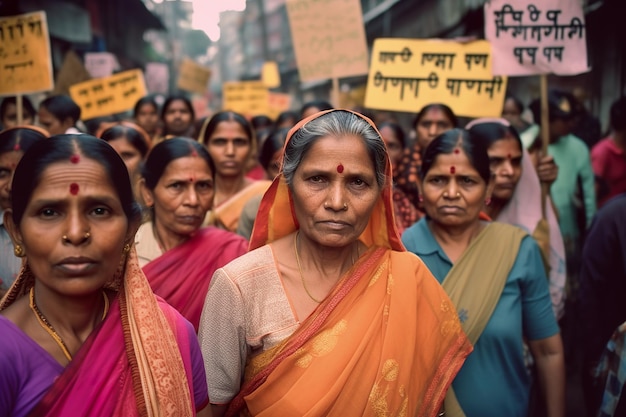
(206, 14)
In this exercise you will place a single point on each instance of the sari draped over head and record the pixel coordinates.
(385, 341)
(182, 275)
(524, 210)
(131, 364)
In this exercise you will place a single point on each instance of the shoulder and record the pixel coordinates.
(221, 237)
(611, 215)
(412, 235)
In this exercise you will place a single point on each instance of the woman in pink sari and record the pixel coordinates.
(83, 334)
(178, 256)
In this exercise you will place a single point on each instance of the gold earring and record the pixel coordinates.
(87, 235)
(126, 248)
(345, 206)
(18, 250)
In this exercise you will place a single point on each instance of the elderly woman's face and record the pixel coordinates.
(505, 161)
(182, 196)
(335, 190)
(453, 190)
(74, 228)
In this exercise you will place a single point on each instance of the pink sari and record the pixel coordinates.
(182, 275)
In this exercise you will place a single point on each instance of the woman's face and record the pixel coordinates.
(505, 161)
(51, 123)
(453, 190)
(335, 190)
(510, 111)
(130, 155)
(74, 228)
(148, 118)
(394, 146)
(433, 123)
(177, 118)
(8, 162)
(182, 196)
(230, 147)
(9, 118)
(274, 168)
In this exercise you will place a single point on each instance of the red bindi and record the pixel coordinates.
(74, 188)
(194, 153)
(509, 156)
(452, 169)
(457, 150)
(16, 147)
(340, 168)
(74, 158)
(191, 179)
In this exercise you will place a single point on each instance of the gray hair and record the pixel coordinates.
(336, 123)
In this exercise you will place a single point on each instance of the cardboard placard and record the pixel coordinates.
(25, 62)
(536, 37)
(328, 38)
(72, 72)
(157, 77)
(193, 77)
(250, 98)
(407, 74)
(278, 103)
(270, 74)
(105, 96)
(101, 64)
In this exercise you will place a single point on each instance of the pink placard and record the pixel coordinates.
(536, 37)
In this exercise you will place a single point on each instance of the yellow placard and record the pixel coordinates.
(26, 66)
(407, 74)
(193, 77)
(278, 103)
(105, 96)
(270, 74)
(250, 98)
(328, 38)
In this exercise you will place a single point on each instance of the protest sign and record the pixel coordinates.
(352, 98)
(157, 77)
(270, 74)
(277, 103)
(407, 74)
(110, 95)
(26, 66)
(531, 37)
(101, 64)
(250, 98)
(193, 77)
(72, 72)
(328, 38)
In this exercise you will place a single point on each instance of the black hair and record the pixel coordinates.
(439, 106)
(27, 106)
(167, 151)
(285, 116)
(561, 106)
(445, 144)
(62, 107)
(261, 121)
(142, 102)
(397, 130)
(20, 138)
(618, 114)
(224, 116)
(321, 105)
(274, 142)
(60, 148)
(518, 103)
(488, 133)
(93, 125)
(133, 136)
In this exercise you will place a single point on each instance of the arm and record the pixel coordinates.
(548, 354)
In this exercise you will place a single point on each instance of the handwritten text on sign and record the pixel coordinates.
(536, 37)
(407, 74)
(193, 77)
(105, 96)
(25, 64)
(328, 38)
(250, 98)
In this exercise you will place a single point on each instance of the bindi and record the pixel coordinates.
(74, 188)
(340, 168)
(509, 156)
(457, 150)
(16, 147)
(194, 153)
(192, 179)
(452, 169)
(74, 158)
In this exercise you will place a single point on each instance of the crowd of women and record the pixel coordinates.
(323, 264)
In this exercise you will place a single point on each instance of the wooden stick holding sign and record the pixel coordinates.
(19, 103)
(545, 135)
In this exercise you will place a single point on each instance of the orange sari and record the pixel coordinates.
(386, 341)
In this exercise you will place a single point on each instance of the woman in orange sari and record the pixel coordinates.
(82, 333)
(328, 315)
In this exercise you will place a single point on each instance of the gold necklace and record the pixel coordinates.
(47, 326)
(295, 248)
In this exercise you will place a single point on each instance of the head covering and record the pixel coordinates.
(276, 216)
